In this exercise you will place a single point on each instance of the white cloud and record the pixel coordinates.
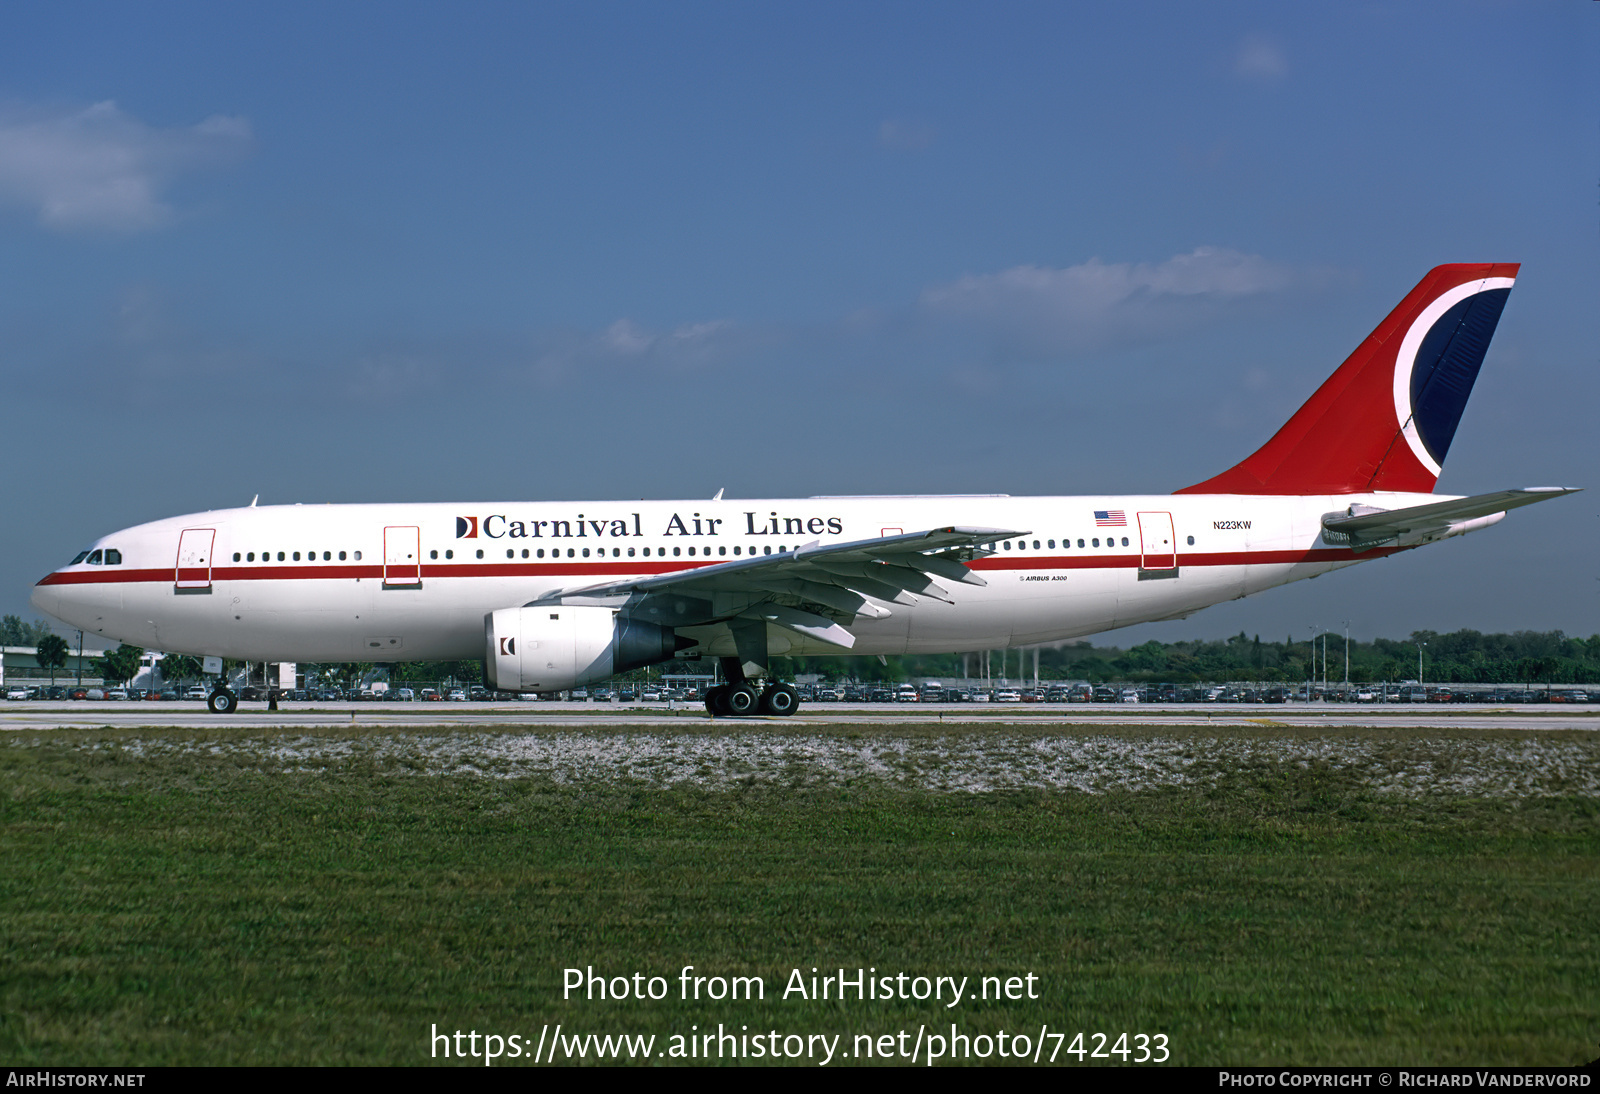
(100, 168)
(1047, 309)
(626, 344)
(1260, 57)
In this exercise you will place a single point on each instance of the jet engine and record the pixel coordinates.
(555, 647)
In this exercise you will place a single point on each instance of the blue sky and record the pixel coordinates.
(368, 252)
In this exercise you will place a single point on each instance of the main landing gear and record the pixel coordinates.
(222, 701)
(744, 699)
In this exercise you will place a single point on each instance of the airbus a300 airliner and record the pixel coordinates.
(554, 595)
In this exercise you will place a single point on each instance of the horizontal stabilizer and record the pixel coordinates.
(1363, 526)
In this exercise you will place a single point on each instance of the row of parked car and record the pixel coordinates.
(931, 692)
(96, 691)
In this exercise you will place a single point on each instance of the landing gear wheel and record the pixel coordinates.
(741, 700)
(781, 700)
(717, 701)
(222, 701)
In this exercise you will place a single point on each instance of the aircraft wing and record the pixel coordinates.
(1367, 527)
(812, 590)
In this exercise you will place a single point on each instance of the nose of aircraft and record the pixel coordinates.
(47, 599)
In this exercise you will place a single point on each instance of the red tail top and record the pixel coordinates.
(1385, 419)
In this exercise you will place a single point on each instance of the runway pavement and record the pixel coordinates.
(407, 716)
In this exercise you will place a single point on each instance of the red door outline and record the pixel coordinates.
(193, 568)
(402, 556)
(1158, 545)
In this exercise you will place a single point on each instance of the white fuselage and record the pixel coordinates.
(414, 582)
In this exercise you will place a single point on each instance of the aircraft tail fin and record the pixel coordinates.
(1385, 419)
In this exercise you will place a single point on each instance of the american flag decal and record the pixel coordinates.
(1110, 518)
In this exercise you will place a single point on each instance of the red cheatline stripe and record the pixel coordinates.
(626, 567)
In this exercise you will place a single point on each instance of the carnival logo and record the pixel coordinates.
(466, 527)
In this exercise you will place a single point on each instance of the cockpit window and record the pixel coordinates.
(94, 558)
(113, 557)
(81, 556)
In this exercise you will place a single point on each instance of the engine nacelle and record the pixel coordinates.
(556, 647)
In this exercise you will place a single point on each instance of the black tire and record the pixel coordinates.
(780, 700)
(715, 704)
(741, 700)
(222, 701)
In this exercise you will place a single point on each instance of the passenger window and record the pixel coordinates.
(297, 556)
(480, 552)
(586, 552)
(1008, 545)
(251, 557)
(280, 556)
(722, 550)
(676, 551)
(447, 554)
(691, 551)
(1097, 543)
(1124, 541)
(236, 556)
(766, 550)
(571, 553)
(1191, 541)
(1036, 545)
(341, 555)
(358, 555)
(524, 552)
(433, 554)
(736, 550)
(1052, 544)
(510, 553)
(630, 552)
(541, 552)
(327, 556)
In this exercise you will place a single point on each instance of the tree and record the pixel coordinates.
(14, 632)
(178, 667)
(52, 654)
(121, 664)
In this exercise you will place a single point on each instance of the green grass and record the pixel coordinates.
(186, 907)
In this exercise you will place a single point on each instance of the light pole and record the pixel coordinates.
(1420, 645)
(1311, 678)
(1347, 653)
